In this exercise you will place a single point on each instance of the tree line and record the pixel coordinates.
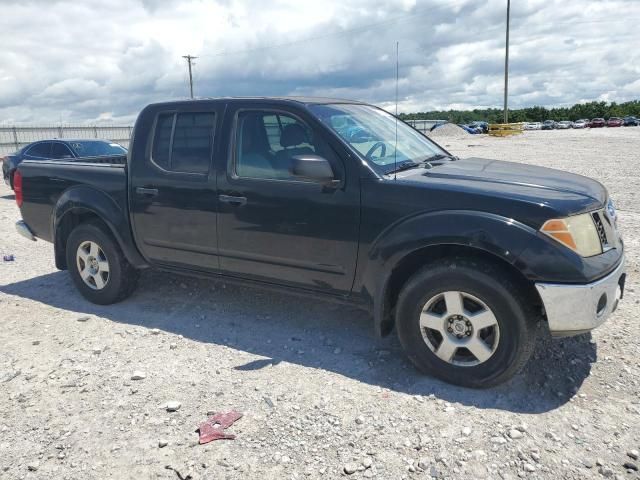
(532, 114)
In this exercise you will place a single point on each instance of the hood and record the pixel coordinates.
(549, 191)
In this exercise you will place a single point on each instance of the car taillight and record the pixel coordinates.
(17, 187)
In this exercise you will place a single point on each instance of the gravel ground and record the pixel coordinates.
(321, 396)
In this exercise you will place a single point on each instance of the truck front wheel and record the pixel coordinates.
(466, 322)
(97, 265)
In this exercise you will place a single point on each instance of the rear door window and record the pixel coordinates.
(183, 142)
(40, 150)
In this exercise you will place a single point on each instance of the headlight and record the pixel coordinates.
(577, 233)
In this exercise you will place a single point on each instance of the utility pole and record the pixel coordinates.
(506, 67)
(189, 59)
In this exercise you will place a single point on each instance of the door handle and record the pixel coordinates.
(147, 192)
(231, 200)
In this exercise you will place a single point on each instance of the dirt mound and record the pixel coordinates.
(447, 130)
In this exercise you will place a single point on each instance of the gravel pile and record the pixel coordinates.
(448, 130)
(117, 392)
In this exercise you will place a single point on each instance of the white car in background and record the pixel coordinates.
(533, 126)
(563, 125)
(582, 123)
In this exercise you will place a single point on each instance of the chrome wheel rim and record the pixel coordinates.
(459, 328)
(93, 265)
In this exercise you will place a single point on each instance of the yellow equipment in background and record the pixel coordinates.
(505, 129)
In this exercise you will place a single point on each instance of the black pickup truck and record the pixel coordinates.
(339, 199)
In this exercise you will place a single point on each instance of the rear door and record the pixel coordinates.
(172, 187)
(275, 228)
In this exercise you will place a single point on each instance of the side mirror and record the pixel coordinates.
(312, 168)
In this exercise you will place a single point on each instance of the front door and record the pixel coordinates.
(173, 194)
(272, 227)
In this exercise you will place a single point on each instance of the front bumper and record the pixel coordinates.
(575, 309)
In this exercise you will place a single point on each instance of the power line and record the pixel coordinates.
(417, 14)
(189, 58)
(347, 31)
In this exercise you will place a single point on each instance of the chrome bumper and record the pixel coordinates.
(575, 309)
(24, 230)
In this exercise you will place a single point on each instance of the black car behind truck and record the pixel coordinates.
(58, 149)
(464, 257)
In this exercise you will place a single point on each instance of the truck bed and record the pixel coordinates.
(46, 181)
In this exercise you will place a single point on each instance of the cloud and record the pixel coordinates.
(103, 61)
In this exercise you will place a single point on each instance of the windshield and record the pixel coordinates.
(372, 133)
(94, 148)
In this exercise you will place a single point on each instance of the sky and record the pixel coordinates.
(97, 61)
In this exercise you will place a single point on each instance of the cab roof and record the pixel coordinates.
(286, 99)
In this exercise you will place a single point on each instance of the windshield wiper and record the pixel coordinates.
(441, 156)
(425, 162)
(404, 165)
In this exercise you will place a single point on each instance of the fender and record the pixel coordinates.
(85, 199)
(487, 232)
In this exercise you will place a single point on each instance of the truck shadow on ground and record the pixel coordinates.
(283, 328)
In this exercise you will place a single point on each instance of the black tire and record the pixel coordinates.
(500, 293)
(122, 277)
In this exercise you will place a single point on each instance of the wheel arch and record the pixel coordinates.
(83, 204)
(415, 260)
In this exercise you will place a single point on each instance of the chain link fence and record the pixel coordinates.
(13, 138)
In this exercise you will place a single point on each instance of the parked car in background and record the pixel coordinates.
(470, 129)
(58, 150)
(614, 122)
(631, 121)
(582, 123)
(464, 258)
(548, 125)
(597, 123)
(564, 125)
(533, 126)
(483, 126)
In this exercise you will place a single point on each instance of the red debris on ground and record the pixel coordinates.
(214, 427)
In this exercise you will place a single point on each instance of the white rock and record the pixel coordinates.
(515, 434)
(633, 454)
(529, 468)
(138, 375)
(498, 440)
(172, 406)
(350, 468)
(466, 431)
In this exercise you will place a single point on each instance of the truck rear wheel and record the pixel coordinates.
(97, 265)
(466, 322)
